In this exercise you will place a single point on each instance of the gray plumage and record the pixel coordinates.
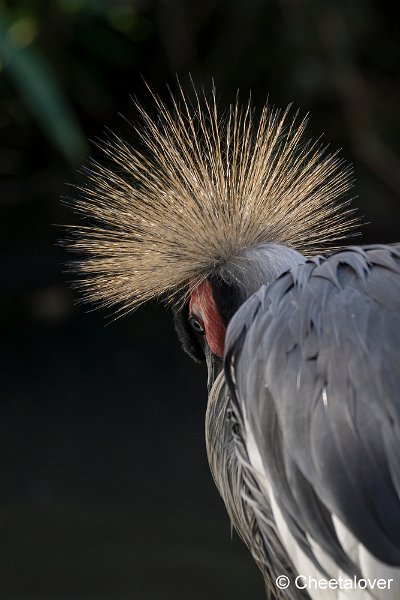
(249, 511)
(313, 367)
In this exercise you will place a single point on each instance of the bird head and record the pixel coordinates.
(202, 322)
(210, 207)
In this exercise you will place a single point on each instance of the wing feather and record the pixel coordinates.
(313, 366)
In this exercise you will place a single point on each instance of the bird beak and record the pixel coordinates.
(214, 366)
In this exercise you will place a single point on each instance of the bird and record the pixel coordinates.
(237, 222)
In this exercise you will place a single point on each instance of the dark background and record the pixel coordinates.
(104, 485)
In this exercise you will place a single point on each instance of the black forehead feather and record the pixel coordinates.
(226, 296)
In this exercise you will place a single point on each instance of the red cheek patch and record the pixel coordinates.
(202, 304)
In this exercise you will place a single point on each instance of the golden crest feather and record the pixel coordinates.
(203, 188)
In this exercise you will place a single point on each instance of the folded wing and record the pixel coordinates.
(313, 366)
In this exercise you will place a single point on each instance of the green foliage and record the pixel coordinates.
(29, 64)
(37, 84)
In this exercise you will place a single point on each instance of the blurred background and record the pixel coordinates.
(105, 492)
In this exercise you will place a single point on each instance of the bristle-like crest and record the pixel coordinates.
(202, 189)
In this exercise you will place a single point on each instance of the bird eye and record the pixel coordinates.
(196, 324)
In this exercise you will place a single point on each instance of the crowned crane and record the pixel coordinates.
(228, 218)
